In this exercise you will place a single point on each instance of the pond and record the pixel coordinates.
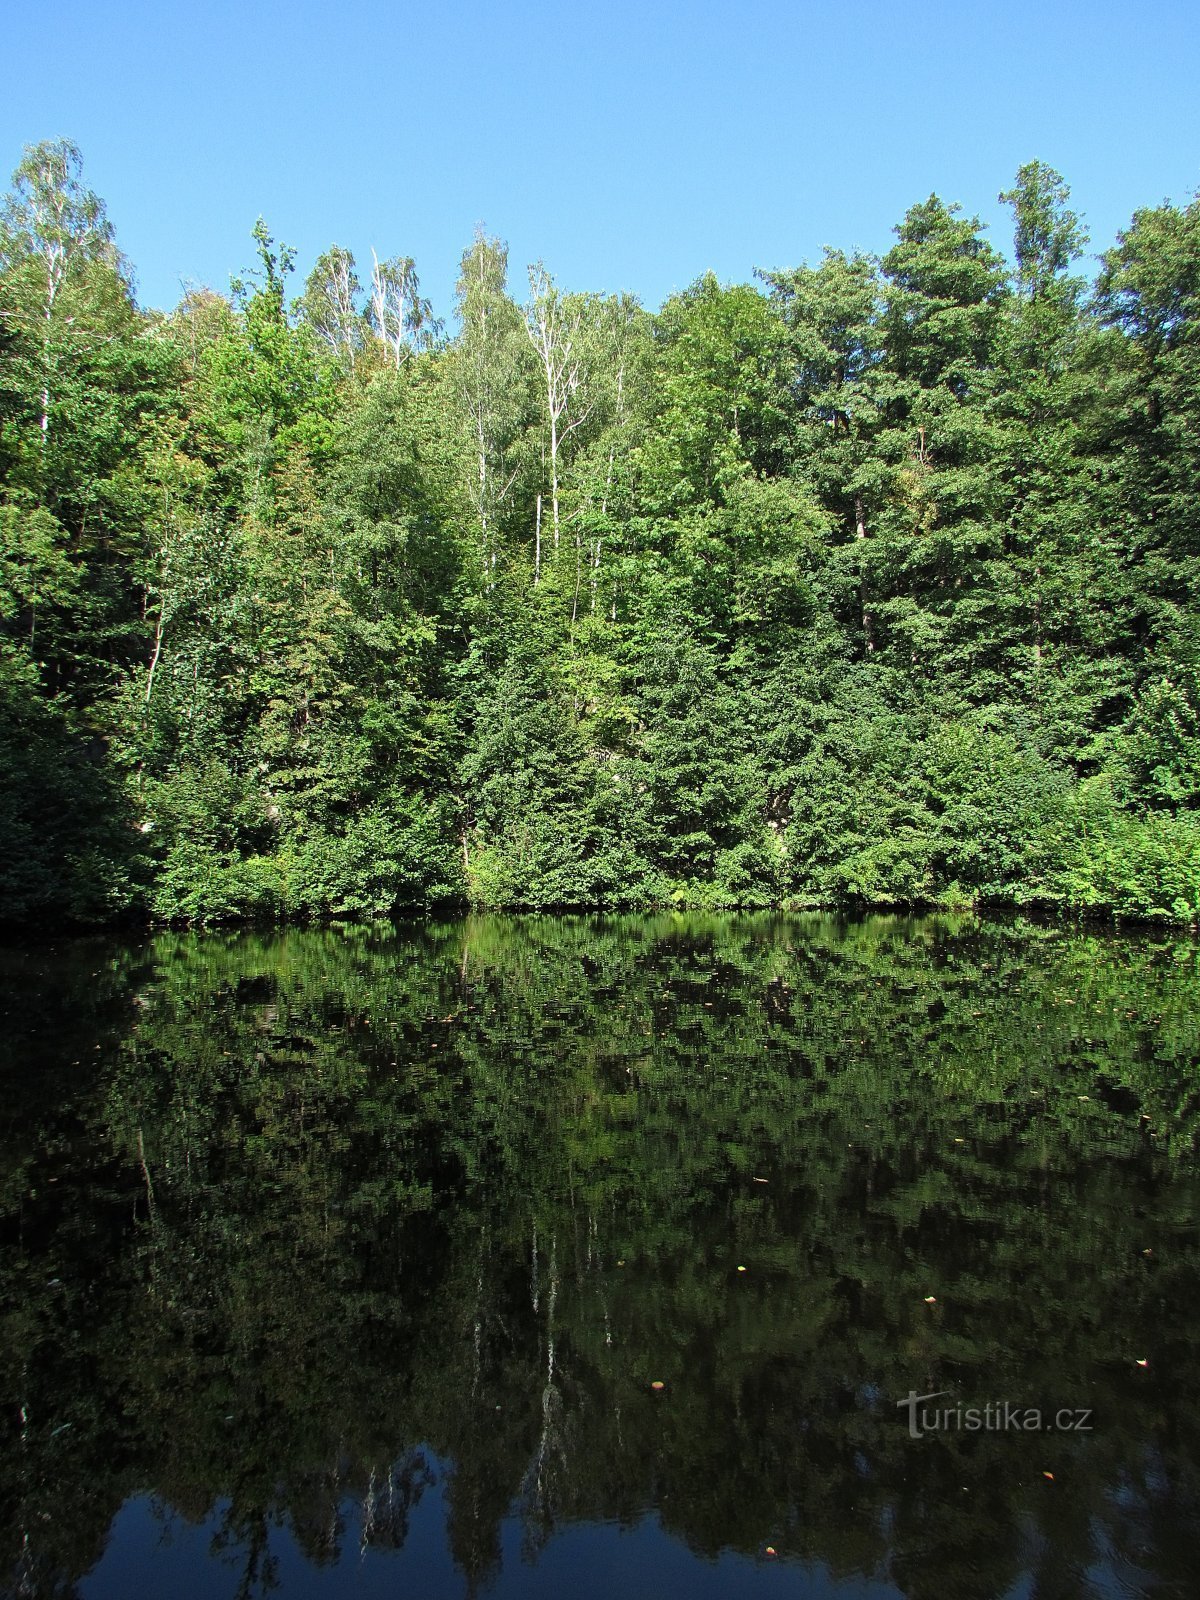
(630, 1256)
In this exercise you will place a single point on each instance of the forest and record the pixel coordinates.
(869, 583)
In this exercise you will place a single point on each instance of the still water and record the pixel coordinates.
(578, 1257)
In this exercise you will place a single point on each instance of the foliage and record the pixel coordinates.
(874, 587)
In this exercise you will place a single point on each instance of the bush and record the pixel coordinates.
(1119, 863)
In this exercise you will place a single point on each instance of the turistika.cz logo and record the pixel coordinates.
(997, 1416)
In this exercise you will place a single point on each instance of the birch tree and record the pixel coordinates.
(330, 304)
(399, 315)
(554, 328)
(51, 228)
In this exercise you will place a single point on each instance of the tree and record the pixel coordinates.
(1149, 290)
(1148, 300)
(329, 304)
(490, 359)
(618, 333)
(833, 313)
(1059, 554)
(945, 287)
(1048, 236)
(400, 317)
(259, 386)
(553, 324)
(88, 378)
(51, 229)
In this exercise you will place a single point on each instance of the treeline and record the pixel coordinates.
(870, 584)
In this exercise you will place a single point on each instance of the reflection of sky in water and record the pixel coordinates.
(148, 1555)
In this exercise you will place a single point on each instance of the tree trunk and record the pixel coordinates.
(554, 474)
(159, 629)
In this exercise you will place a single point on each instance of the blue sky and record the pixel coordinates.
(632, 146)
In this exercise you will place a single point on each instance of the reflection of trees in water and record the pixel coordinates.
(390, 1499)
(245, 1542)
(322, 1198)
(550, 1458)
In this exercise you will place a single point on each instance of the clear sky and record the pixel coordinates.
(632, 144)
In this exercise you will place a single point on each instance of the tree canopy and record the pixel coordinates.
(870, 583)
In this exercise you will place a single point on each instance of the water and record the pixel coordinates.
(345, 1262)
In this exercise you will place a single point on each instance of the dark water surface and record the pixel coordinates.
(350, 1262)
